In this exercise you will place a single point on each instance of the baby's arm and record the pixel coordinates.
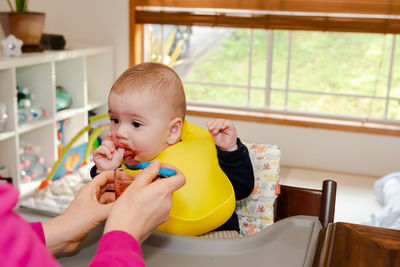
(106, 156)
(237, 166)
(224, 134)
(233, 157)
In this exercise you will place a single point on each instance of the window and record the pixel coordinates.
(330, 75)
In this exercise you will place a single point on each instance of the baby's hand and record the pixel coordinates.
(106, 156)
(224, 134)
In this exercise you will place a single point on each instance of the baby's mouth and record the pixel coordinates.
(129, 155)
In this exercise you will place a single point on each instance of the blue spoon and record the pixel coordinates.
(143, 165)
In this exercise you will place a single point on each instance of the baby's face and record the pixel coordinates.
(139, 124)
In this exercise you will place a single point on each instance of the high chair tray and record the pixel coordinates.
(289, 242)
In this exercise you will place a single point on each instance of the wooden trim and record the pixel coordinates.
(139, 50)
(132, 42)
(136, 32)
(293, 120)
(270, 21)
(387, 7)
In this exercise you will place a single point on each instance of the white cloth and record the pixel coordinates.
(56, 198)
(387, 192)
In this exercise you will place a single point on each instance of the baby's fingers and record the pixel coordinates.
(103, 151)
(109, 144)
(213, 126)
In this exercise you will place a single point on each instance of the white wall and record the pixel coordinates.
(102, 21)
(88, 21)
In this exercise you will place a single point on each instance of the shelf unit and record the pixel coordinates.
(86, 72)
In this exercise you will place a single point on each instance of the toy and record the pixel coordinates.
(11, 46)
(97, 124)
(72, 160)
(63, 99)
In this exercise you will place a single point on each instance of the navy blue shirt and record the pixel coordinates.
(237, 166)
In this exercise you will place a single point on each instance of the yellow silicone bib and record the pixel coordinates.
(207, 200)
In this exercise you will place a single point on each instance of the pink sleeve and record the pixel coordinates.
(21, 244)
(118, 248)
(37, 227)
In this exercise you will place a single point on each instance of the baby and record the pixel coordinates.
(147, 109)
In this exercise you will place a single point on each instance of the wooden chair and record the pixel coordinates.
(305, 201)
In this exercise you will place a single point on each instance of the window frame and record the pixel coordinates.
(255, 115)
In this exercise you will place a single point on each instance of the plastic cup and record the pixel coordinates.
(121, 182)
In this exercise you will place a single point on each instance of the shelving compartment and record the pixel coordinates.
(9, 159)
(44, 139)
(100, 78)
(39, 81)
(72, 126)
(70, 75)
(7, 98)
(85, 73)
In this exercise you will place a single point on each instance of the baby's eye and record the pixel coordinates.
(136, 124)
(114, 121)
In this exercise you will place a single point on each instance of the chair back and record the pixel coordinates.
(305, 201)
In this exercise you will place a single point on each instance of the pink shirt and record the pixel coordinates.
(23, 244)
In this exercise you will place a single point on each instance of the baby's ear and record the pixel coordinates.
(175, 130)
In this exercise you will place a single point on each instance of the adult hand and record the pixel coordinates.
(106, 156)
(224, 134)
(145, 204)
(65, 232)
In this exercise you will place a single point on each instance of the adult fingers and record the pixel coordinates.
(107, 197)
(103, 178)
(173, 182)
(148, 174)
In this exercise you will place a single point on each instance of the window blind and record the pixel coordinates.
(367, 16)
(386, 7)
(318, 15)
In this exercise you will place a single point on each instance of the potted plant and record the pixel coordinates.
(24, 25)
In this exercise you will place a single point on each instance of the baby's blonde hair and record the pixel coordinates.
(160, 79)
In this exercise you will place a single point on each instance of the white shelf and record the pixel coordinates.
(5, 135)
(93, 104)
(87, 74)
(26, 127)
(67, 113)
(27, 59)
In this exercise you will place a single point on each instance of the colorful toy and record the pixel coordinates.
(97, 124)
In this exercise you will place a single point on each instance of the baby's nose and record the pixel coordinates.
(122, 132)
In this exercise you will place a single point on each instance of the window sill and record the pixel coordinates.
(294, 120)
